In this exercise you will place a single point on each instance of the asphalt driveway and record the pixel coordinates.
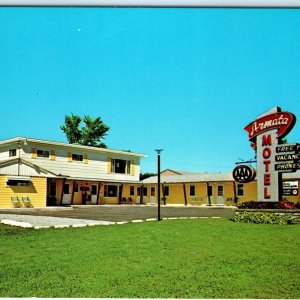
(121, 213)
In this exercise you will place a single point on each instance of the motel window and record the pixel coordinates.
(240, 190)
(12, 152)
(77, 157)
(52, 189)
(209, 190)
(220, 190)
(152, 191)
(166, 191)
(145, 191)
(94, 190)
(17, 183)
(131, 190)
(75, 187)
(66, 189)
(110, 191)
(120, 166)
(192, 190)
(42, 153)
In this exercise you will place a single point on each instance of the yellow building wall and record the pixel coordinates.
(176, 193)
(250, 192)
(36, 191)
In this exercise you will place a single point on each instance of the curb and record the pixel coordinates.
(104, 223)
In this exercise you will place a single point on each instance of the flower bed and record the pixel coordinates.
(268, 205)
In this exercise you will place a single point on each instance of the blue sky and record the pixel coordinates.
(184, 80)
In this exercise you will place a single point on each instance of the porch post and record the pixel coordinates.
(98, 192)
(72, 197)
(62, 191)
(141, 194)
(207, 192)
(235, 199)
(120, 193)
(184, 192)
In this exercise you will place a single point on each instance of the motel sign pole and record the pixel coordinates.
(158, 183)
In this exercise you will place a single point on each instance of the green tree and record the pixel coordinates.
(71, 129)
(146, 175)
(89, 135)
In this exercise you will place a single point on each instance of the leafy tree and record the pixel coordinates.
(88, 135)
(146, 175)
(71, 129)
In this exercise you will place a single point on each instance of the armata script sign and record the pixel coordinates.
(265, 133)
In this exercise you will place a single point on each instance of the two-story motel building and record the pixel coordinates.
(52, 173)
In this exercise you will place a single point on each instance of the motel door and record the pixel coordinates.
(221, 198)
(94, 194)
(66, 200)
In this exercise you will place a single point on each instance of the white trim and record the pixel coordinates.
(76, 146)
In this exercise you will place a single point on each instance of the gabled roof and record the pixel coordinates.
(23, 140)
(34, 170)
(171, 172)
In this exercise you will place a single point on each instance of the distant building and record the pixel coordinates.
(52, 173)
(186, 188)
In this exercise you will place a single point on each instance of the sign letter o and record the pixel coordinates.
(267, 153)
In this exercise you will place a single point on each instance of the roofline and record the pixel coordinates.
(76, 146)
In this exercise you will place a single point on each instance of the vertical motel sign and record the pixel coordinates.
(265, 134)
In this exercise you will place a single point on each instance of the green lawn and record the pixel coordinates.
(203, 258)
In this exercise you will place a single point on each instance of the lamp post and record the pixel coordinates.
(158, 183)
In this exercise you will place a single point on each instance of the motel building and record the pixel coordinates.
(59, 174)
(54, 174)
(211, 189)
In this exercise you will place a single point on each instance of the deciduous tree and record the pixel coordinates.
(89, 135)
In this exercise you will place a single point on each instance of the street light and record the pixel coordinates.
(158, 183)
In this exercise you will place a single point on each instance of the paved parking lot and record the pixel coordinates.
(121, 213)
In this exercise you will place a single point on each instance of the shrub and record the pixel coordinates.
(268, 205)
(262, 218)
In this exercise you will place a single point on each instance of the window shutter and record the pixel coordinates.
(109, 165)
(69, 156)
(132, 168)
(52, 154)
(33, 153)
(85, 159)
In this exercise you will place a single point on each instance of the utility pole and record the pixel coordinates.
(158, 183)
